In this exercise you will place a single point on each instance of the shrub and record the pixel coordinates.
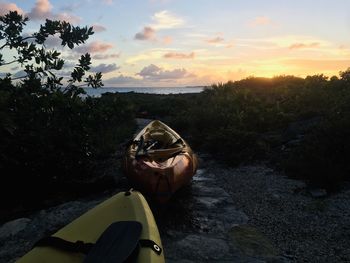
(50, 136)
(323, 159)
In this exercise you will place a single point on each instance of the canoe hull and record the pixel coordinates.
(160, 178)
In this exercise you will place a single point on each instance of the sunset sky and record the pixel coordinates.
(200, 42)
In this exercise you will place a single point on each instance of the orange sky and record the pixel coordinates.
(180, 43)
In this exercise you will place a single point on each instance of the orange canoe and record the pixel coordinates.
(159, 162)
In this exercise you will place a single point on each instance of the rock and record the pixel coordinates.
(318, 193)
(198, 247)
(252, 243)
(276, 196)
(180, 261)
(206, 190)
(13, 227)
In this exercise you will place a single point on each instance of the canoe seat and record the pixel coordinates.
(164, 137)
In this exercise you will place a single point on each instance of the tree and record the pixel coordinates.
(345, 75)
(50, 137)
(38, 62)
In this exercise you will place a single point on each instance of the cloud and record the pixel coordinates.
(215, 40)
(69, 64)
(43, 10)
(94, 47)
(303, 45)
(160, 1)
(166, 20)
(20, 74)
(108, 2)
(167, 40)
(237, 74)
(122, 80)
(66, 17)
(69, 7)
(152, 72)
(7, 7)
(230, 44)
(176, 55)
(53, 42)
(105, 68)
(260, 21)
(161, 20)
(318, 64)
(98, 28)
(148, 33)
(106, 56)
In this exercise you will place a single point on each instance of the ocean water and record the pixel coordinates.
(150, 90)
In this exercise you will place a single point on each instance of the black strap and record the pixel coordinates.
(119, 243)
(151, 244)
(77, 247)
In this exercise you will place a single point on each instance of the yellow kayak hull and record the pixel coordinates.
(89, 227)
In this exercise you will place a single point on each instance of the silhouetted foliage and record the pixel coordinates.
(50, 136)
(324, 156)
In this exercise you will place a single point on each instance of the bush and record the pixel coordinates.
(49, 141)
(323, 159)
(247, 120)
(50, 136)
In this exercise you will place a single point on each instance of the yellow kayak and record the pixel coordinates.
(123, 207)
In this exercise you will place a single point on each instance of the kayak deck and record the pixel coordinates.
(89, 227)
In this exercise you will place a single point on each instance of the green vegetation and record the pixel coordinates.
(301, 124)
(52, 139)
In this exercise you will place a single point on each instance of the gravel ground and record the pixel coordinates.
(252, 199)
(302, 227)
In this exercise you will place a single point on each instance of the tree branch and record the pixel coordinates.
(27, 38)
(8, 63)
(22, 77)
(4, 45)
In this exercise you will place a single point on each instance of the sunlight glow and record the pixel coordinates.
(212, 42)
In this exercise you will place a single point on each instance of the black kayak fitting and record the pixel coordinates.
(120, 242)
